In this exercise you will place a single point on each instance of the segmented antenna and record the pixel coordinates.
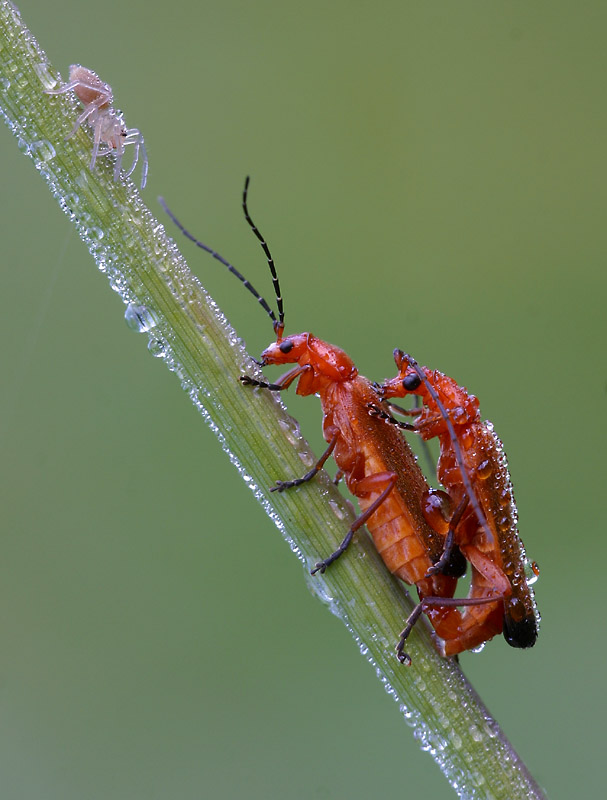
(222, 260)
(280, 325)
(455, 442)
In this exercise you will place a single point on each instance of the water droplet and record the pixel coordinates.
(532, 572)
(458, 415)
(437, 509)
(46, 79)
(156, 347)
(21, 81)
(443, 720)
(307, 459)
(484, 470)
(335, 508)
(475, 733)
(491, 728)
(467, 440)
(478, 778)
(139, 318)
(504, 523)
(321, 590)
(287, 429)
(43, 149)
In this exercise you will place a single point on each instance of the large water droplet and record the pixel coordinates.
(335, 508)
(456, 740)
(532, 572)
(43, 149)
(476, 734)
(139, 318)
(46, 79)
(484, 469)
(437, 509)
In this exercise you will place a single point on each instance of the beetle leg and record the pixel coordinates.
(362, 518)
(282, 383)
(445, 558)
(432, 602)
(406, 412)
(494, 576)
(376, 411)
(280, 486)
(411, 620)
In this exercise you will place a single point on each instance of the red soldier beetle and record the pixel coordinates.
(378, 464)
(473, 469)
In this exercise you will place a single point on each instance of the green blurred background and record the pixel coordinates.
(429, 176)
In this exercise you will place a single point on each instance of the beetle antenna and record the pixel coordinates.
(280, 325)
(425, 447)
(222, 260)
(455, 442)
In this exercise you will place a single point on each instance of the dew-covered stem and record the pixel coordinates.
(181, 325)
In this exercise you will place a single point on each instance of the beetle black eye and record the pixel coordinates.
(411, 382)
(286, 346)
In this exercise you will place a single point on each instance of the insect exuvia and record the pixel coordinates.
(109, 127)
(478, 514)
(380, 470)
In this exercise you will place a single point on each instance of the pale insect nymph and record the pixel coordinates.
(109, 127)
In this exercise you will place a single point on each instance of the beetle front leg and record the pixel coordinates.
(378, 413)
(283, 383)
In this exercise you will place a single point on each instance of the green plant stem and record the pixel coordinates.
(186, 329)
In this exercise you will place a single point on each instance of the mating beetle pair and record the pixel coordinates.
(425, 537)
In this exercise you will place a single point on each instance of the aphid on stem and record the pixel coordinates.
(380, 470)
(107, 123)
